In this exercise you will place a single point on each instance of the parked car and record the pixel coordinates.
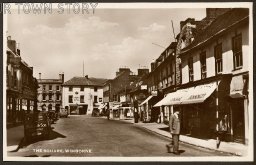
(37, 124)
(63, 112)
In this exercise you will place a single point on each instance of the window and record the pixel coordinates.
(237, 51)
(58, 97)
(190, 69)
(218, 58)
(70, 88)
(50, 87)
(100, 99)
(81, 88)
(50, 96)
(43, 87)
(70, 99)
(57, 87)
(95, 89)
(95, 99)
(81, 99)
(203, 65)
(44, 96)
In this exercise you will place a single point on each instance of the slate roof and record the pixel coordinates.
(219, 25)
(79, 81)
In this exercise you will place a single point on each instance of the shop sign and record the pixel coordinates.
(154, 93)
(196, 96)
(143, 87)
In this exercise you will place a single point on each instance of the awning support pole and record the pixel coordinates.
(217, 117)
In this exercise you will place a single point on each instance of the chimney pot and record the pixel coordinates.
(39, 76)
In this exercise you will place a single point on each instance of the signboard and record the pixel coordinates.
(154, 93)
(142, 87)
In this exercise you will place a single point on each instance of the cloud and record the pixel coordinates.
(154, 27)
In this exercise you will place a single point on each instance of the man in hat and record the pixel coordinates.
(175, 131)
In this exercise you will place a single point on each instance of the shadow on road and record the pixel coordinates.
(24, 142)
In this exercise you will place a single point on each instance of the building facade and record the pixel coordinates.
(219, 55)
(212, 75)
(21, 86)
(50, 93)
(81, 95)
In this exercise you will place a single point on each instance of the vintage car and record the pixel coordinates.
(36, 124)
(63, 112)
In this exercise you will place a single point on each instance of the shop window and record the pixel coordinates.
(237, 51)
(218, 58)
(190, 69)
(81, 99)
(70, 99)
(70, 89)
(203, 65)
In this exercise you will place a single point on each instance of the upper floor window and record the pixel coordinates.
(58, 97)
(95, 99)
(50, 96)
(218, 58)
(70, 88)
(237, 51)
(57, 87)
(82, 99)
(44, 96)
(70, 99)
(190, 69)
(95, 89)
(44, 87)
(81, 88)
(203, 64)
(50, 87)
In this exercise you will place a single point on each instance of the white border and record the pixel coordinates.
(249, 157)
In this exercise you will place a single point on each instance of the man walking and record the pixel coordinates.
(175, 131)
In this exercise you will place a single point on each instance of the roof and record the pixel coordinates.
(91, 81)
(219, 25)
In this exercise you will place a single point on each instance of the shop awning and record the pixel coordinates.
(199, 93)
(172, 98)
(145, 101)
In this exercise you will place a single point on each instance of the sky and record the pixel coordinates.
(103, 41)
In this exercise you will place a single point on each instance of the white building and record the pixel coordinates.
(82, 94)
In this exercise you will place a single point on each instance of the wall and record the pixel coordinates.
(227, 56)
(88, 93)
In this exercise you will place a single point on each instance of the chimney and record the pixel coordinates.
(12, 45)
(39, 76)
(62, 77)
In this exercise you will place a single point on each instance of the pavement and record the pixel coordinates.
(228, 147)
(14, 137)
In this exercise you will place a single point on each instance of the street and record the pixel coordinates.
(91, 136)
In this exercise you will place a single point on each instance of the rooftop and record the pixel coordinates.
(219, 25)
(91, 81)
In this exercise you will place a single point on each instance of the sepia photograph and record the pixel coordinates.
(156, 82)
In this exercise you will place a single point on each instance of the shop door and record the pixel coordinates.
(83, 109)
(238, 120)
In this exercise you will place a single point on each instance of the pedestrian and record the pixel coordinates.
(223, 129)
(175, 131)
